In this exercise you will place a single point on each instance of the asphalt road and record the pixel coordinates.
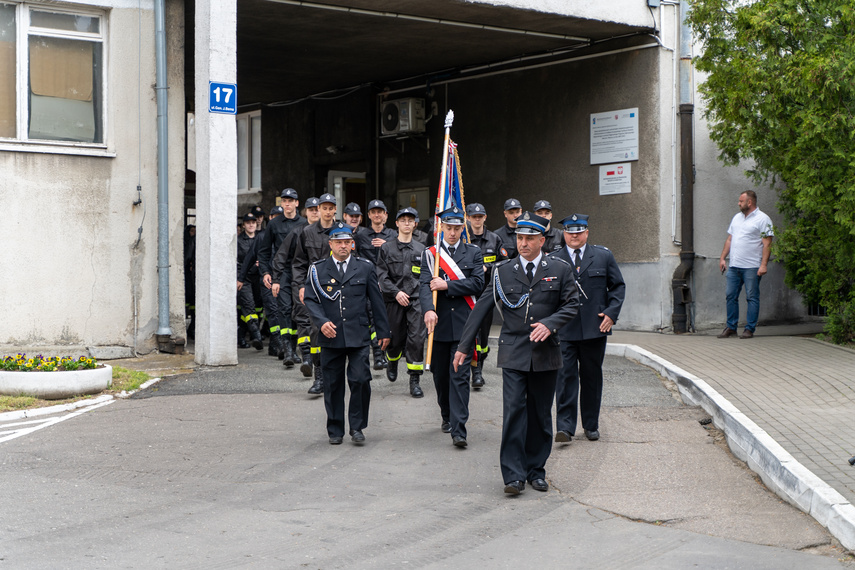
(230, 468)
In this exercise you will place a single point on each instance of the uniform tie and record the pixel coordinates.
(340, 269)
(578, 260)
(529, 271)
(451, 251)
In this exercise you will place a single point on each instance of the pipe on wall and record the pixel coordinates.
(162, 172)
(680, 280)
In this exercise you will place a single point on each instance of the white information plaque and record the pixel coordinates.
(614, 136)
(616, 179)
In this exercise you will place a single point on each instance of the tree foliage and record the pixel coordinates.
(781, 93)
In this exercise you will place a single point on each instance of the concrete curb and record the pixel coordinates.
(779, 470)
(47, 410)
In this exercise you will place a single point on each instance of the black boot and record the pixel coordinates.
(254, 334)
(415, 389)
(379, 360)
(290, 357)
(280, 347)
(318, 386)
(241, 333)
(477, 376)
(392, 370)
(273, 344)
(306, 359)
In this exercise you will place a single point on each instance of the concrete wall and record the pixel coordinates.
(75, 274)
(631, 12)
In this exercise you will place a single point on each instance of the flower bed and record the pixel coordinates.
(52, 378)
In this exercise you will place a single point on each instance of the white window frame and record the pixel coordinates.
(244, 186)
(23, 30)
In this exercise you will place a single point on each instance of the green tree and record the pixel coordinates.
(781, 92)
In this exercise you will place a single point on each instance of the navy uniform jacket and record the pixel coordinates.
(553, 300)
(346, 311)
(603, 287)
(451, 307)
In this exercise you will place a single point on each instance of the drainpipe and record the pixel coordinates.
(680, 280)
(163, 329)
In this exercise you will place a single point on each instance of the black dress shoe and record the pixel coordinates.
(357, 436)
(459, 441)
(539, 485)
(445, 427)
(562, 436)
(514, 487)
(335, 440)
(592, 435)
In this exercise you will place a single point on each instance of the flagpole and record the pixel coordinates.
(449, 119)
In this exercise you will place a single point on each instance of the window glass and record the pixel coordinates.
(243, 161)
(65, 87)
(8, 75)
(65, 22)
(255, 182)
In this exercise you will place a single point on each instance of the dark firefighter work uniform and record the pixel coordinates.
(463, 269)
(312, 245)
(491, 248)
(341, 299)
(274, 235)
(398, 269)
(249, 289)
(281, 273)
(529, 369)
(554, 240)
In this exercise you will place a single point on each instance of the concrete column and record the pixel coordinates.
(216, 187)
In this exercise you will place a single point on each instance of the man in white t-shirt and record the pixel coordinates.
(749, 239)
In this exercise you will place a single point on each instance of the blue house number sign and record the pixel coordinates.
(222, 98)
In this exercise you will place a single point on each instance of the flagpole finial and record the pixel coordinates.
(449, 118)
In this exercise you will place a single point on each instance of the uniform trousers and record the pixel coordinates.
(246, 303)
(580, 384)
(351, 365)
(482, 346)
(452, 388)
(408, 335)
(271, 309)
(301, 318)
(527, 423)
(284, 308)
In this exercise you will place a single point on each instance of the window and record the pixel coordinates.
(51, 74)
(249, 151)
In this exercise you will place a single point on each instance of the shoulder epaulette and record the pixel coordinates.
(362, 259)
(501, 263)
(600, 246)
(319, 261)
(556, 258)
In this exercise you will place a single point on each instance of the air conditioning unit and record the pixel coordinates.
(402, 116)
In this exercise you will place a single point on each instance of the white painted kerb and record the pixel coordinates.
(56, 385)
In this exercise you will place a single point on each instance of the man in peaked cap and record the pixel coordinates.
(460, 278)
(398, 271)
(507, 233)
(536, 296)
(491, 248)
(368, 244)
(553, 237)
(583, 340)
(338, 288)
(274, 236)
(313, 245)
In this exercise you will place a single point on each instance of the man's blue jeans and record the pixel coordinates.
(736, 277)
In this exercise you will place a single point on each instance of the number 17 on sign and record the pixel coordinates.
(222, 98)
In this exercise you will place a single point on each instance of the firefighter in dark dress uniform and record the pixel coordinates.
(398, 270)
(337, 290)
(507, 233)
(536, 295)
(493, 252)
(583, 340)
(459, 281)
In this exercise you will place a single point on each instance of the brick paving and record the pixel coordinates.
(800, 390)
